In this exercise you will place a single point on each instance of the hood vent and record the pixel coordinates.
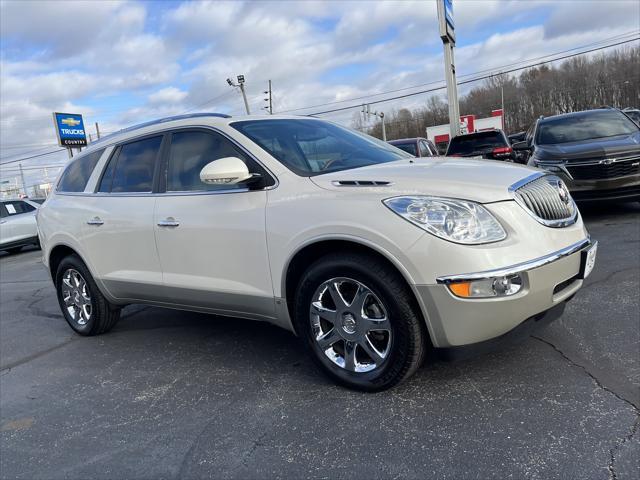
(361, 183)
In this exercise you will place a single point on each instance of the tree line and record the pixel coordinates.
(579, 83)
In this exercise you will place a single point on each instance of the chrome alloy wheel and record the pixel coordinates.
(350, 325)
(76, 298)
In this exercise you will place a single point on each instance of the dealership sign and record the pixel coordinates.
(69, 129)
(445, 20)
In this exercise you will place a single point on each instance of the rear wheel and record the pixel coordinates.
(359, 321)
(84, 307)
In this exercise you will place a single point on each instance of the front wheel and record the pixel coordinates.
(84, 307)
(360, 321)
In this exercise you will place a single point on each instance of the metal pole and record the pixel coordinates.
(24, 184)
(98, 130)
(270, 104)
(502, 102)
(70, 152)
(244, 97)
(384, 132)
(452, 89)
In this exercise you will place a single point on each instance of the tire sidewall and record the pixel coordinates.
(326, 269)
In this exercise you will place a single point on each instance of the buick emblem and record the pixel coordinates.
(563, 193)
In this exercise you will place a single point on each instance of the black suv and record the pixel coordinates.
(596, 152)
(490, 144)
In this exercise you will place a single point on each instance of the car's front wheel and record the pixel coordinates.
(359, 321)
(84, 307)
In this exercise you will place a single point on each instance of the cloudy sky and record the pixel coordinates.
(123, 62)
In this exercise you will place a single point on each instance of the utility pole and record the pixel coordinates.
(367, 111)
(97, 130)
(241, 85)
(24, 184)
(447, 34)
(268, 108)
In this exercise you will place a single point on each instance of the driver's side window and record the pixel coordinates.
(190, 151)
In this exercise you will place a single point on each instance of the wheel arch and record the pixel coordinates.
(310, 252)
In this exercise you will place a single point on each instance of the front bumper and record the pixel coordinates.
(548, 281)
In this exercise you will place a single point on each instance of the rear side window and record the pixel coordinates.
(131, 168)
(407, 147)
(477, 142)
(3, 211)
(18, 207)
(76, 176)
(189, 153)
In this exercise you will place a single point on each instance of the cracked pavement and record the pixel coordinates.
(170, 395)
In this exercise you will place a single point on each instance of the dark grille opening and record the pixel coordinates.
(562, 285)
(598, 172)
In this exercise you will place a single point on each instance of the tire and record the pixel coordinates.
(86, 310)
(14, 250)
(398, 333)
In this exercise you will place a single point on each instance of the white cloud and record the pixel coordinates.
(121, 62)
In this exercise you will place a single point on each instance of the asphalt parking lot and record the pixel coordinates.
(168, 394)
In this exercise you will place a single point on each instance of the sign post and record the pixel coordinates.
(70, 130)
(447, 34)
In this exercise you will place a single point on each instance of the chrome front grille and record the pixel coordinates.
(547, 199)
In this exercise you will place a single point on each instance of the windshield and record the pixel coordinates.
(476, 143)
(407, 147)
(312, 147)
(584, 126)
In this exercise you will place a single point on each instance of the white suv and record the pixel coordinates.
(371, 256)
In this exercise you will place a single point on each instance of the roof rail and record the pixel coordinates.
(161, 120)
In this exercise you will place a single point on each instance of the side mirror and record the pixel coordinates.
(225, 171)
(521, 146)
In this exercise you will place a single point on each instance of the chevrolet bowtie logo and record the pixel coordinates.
(608, 161)
(70, 122)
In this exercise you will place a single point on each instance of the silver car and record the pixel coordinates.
(18, 224)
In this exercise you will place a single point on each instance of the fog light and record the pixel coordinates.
(488, 287)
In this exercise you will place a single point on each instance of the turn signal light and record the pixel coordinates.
(488, 287)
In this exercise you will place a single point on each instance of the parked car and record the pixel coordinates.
(595, 152)
(370, 255)
(633, 114)
(418, 147)
(18, 224)
(490, 144)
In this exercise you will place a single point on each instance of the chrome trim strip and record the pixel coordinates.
(518, 267)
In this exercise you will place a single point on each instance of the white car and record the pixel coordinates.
(18, 226)
(371, 256)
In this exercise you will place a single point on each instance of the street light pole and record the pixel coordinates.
(244, 94)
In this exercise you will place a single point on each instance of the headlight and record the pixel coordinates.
(455, 220)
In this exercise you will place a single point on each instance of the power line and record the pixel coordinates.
(33, 156)
(634, 32)
(475, 79)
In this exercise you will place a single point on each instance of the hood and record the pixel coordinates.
(482, 181)
(598, 148)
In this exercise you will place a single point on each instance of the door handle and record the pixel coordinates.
(95, 221)
(169, 222)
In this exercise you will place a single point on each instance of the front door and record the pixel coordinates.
(211, 238)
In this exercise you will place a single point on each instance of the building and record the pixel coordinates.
(468, 124)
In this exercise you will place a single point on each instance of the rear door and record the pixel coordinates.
(211, 238)
(21, 220)
(118, 224)
(6, 232)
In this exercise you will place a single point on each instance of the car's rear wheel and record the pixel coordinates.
(359, 320)
(84, 307)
